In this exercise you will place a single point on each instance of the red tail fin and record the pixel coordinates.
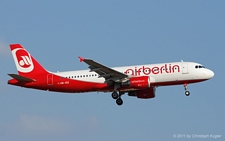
(25, 63)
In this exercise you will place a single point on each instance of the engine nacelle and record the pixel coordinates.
(138, 82)
(145, 94)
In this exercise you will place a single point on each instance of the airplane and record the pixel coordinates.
(138, 81)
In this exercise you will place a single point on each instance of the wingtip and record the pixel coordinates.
(81, 58)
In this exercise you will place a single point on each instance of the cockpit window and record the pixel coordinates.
(199, 66)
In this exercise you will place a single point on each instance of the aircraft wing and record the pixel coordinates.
(105, 72)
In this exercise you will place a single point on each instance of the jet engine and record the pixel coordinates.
(144, 94)
(138, 82)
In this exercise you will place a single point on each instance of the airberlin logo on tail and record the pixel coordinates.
(26, 61)
(23, 60)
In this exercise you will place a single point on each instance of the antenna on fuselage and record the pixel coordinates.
(182, 60)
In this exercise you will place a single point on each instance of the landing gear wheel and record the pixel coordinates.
(119, 101)
(187, 93)
(115, 95)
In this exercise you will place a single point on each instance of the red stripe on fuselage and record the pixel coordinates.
(61, 84)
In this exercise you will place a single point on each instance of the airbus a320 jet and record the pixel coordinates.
(138, 81)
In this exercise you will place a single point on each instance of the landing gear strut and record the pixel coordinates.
(187, 93)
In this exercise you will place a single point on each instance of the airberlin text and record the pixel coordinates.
(144, 70)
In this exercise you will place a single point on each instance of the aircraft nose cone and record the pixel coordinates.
(210, 74)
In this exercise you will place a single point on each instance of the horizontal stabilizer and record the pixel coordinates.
(21, 78)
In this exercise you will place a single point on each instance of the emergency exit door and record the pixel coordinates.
(50, 79)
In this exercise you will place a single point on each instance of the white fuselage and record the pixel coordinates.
(159, 73)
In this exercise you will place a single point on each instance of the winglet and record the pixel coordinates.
(81, 59)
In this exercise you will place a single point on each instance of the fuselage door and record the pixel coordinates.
(184, 68)
(50, 79)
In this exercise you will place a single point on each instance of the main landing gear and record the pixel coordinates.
(187, 93)
(117, 96)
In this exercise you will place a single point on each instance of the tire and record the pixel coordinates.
(115, 95)
(119, 101)
(187, 93)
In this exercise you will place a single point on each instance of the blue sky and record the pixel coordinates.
(114, 33)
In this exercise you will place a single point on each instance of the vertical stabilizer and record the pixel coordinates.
(25, 63)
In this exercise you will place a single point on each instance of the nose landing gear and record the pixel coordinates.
(187, 93)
